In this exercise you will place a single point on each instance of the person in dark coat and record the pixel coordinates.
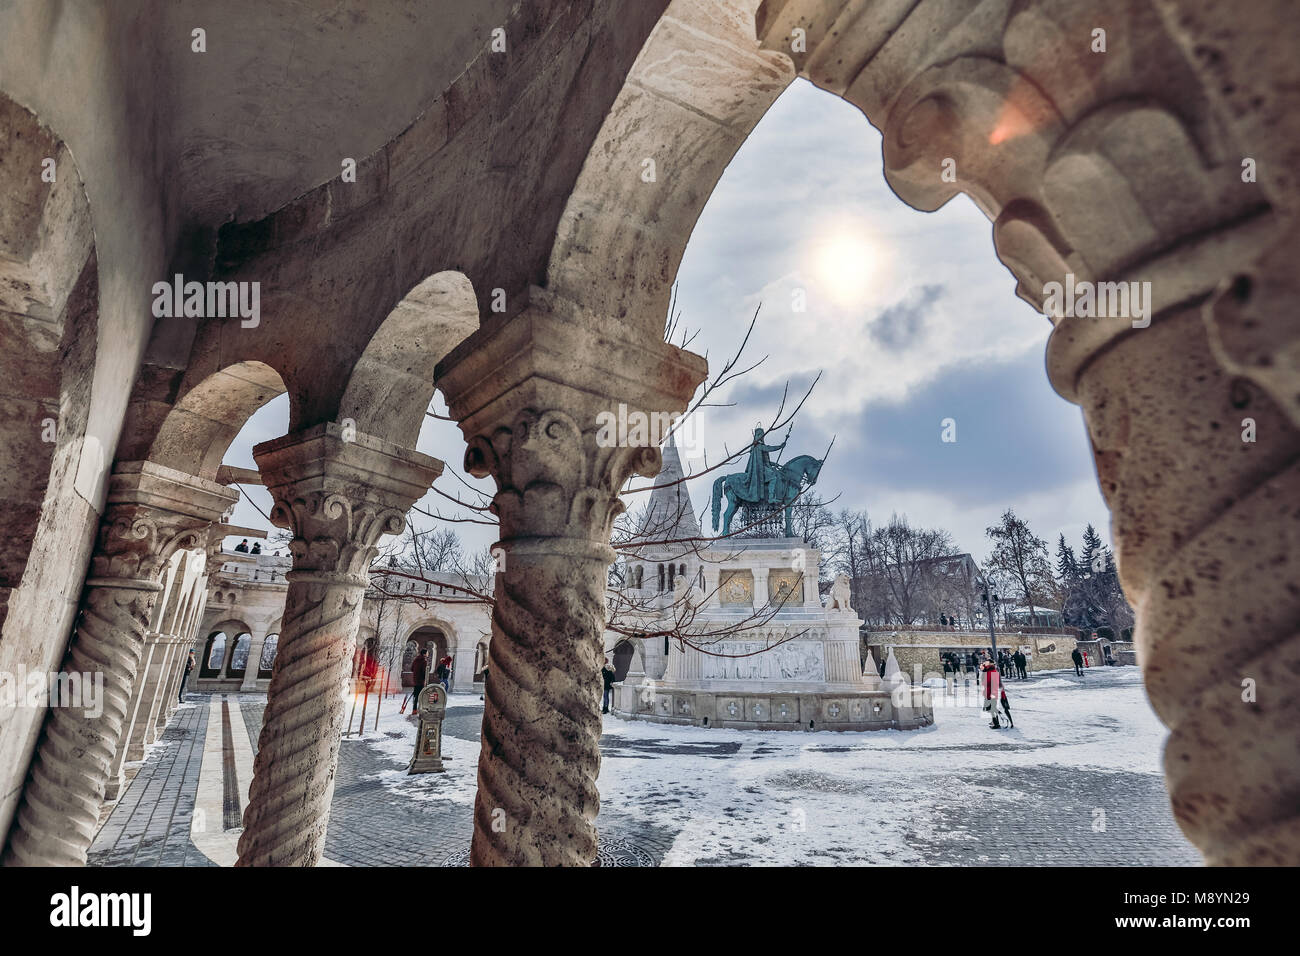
(185, 678)
(1078, 662)
(442, 673)
(257, 548)
(1006, 708)
(1020, 662)
(242, 547)
(419, 671)
(608, 674)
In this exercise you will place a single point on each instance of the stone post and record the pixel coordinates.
(256, 642)
(528, 395)
(151, 510)
(338, 497)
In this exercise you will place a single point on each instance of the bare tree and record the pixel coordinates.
(907, 564)
(1020, 557)
(670, 611)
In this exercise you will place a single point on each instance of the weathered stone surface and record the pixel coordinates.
(338, 496)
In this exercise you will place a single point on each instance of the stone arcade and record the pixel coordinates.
(487, 177)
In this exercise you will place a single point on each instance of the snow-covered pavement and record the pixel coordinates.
(1078, 781)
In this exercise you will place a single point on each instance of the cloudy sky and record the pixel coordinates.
(908, 316)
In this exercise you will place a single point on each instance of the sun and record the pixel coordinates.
(844, 264)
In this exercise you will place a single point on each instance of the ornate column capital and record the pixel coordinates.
(534, 397)
(339, 492)
(531, 395)
(152, 511)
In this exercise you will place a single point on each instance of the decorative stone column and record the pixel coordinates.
(140, 711)
(151, 511)
(1169, 175)
(257, 641)
(528, 394)
(338, 497)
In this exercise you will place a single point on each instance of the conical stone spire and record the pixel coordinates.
(671, 516)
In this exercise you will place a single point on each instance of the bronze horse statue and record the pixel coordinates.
(786, 482)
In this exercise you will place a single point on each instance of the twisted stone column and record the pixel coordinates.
(528, 396)
(1167, 175)
(338, 497)
(151, 511)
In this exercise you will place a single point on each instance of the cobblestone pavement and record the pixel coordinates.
(150, 826)
(1040, 811)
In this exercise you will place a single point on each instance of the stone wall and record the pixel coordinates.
(922, 648)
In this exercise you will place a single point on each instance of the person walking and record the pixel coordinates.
(1006, 708)
(992, 691)
(608, 674)
(1078, 662)
(185, 678)
(442, 671)
(419, 671)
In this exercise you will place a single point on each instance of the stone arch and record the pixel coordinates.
(393, 382)
(424, 631)
(49, 316)
(216, 647)
(623, 654)
(224, 633)
(240, 647)
(1039, 133)
(194, 434)
(173, 579)
(266, 661)
(696, 89)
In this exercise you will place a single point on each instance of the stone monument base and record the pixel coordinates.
(743, 707)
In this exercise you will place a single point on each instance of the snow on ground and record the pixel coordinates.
(799, 797)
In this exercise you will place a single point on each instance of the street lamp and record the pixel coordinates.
(989, 600)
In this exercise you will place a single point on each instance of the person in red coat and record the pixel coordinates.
(992, 685)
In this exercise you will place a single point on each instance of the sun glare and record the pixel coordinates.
(844, 264)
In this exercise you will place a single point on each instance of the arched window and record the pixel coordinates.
(239, 655)
(638, 574)
(267, 660)
(623, 653)
(682, 570)
(214, 653)
(671, 569)
(661, 577)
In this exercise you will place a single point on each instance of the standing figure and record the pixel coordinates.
(607, 674)
(992, 692)
(185, 678)
(419, 670)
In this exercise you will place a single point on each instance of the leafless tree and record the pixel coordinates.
(1020, 557)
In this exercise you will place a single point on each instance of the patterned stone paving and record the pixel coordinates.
(150, 826)
(1034, 815)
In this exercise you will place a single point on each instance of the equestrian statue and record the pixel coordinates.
(764, 487)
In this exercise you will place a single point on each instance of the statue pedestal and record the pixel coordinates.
(775, 657)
